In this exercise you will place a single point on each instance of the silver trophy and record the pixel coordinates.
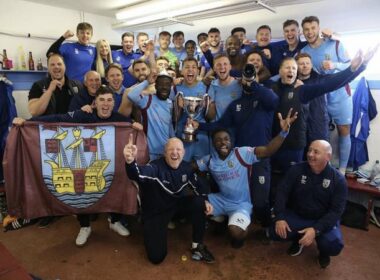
(193, 106)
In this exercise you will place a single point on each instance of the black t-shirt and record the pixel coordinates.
(60, 99)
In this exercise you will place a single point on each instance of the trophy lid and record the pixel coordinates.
(164, 73)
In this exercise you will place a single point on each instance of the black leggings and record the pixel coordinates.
(155, 226)
(84, 219)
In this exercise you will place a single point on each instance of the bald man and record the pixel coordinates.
(309, 204)
(169, 185)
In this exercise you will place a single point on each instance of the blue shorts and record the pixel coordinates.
(222, 206)
(340, 112)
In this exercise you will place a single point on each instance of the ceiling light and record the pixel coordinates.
(178, 12)
(266, 6)
(153, 7)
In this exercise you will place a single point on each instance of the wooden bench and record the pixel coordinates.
(371, 192)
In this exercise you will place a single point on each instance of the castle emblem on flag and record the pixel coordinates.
(77, 166)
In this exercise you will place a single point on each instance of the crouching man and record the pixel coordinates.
(309, 204)
(231, 169)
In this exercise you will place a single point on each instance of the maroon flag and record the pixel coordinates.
(48, 177)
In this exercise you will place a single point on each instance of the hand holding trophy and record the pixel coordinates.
(193, 106)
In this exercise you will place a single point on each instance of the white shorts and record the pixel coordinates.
(240, 220)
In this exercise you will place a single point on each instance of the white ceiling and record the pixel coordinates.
(358, 16)
(108, 8)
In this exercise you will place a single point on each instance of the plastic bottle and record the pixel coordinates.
(21, 59)
(375, 169)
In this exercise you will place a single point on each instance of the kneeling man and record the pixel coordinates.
(309, 204)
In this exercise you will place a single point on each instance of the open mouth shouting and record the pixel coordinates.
(190, 77)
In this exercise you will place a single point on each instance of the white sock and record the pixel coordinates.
(194, 245)
(342, 170)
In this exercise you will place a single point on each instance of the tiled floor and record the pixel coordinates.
(51, 254)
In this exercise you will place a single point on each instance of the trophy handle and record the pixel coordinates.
(206, 103)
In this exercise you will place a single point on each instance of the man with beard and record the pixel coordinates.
(168, 185)
(231, 170)
(216, 47)
(191, 87)
(53, 94)
(309, 204)
(245, 44)
(328, 57)
(141, 72)
(156, 110)
(85, 99)
(213, 38)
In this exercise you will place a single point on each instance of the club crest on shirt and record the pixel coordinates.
(238, 107)
(303, 179)
(234, 94)
(184, 178)
(255, 104)
(262, 180)
(90, 51)
(76, 51)
(326, 183)
(118, 58)
(290, 95)
(230, 164)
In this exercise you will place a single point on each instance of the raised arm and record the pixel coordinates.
(135, 172)
(135, 95)
(311, 91)
(275, 143)
(126, 105)
(54, 48)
